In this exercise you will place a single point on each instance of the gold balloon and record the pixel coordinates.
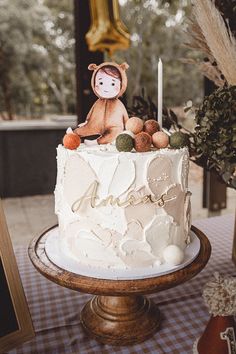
(107, 32)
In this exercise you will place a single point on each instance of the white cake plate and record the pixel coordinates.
(56, 255)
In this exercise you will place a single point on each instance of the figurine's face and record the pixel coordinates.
(106, 85)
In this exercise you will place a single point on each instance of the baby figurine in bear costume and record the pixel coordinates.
(108, 115)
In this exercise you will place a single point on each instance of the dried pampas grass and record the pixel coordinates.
(219, 295)
(209, 34)
(218, 37)
(197, 40)
(208, 70)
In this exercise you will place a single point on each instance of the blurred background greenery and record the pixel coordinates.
(37, 66)
(37, 60)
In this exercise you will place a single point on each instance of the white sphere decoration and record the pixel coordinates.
(129, 133)
(173, 255)
(157, 262)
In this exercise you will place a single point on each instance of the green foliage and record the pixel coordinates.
(60, 74)
(142, 107)
(36, 57)
(215, 134)
(19, 21)
(37, 66)
(213, 143)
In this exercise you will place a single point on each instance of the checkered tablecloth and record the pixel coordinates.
(55, 310)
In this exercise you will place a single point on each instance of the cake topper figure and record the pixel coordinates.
(108, 115)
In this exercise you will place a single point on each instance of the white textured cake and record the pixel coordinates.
(122, 210)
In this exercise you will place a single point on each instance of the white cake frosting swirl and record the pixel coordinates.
(122, 209)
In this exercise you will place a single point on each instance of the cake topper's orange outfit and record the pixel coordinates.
(108, 115)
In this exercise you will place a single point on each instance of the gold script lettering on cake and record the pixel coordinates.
(91, 195)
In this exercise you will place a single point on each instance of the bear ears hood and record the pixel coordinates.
(121, 68)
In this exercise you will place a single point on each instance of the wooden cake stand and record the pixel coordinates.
(119, 314)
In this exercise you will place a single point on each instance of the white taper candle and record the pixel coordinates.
(160, 92)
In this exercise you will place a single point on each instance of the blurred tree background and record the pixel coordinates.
(157, 29)
(37, 64)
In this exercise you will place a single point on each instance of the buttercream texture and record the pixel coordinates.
(122, 209)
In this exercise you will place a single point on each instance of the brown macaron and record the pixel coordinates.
(160, 140)
(142, 142)
(151, 126)
(134, 124)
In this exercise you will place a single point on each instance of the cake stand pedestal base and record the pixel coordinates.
(120, 320)
(119, 314)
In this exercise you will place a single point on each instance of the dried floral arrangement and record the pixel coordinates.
(210, 34)
(214, 138)
(213, 143)
(220, 295)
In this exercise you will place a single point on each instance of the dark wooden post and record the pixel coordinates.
(214, 190)
(83, 57)
(234, 242)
